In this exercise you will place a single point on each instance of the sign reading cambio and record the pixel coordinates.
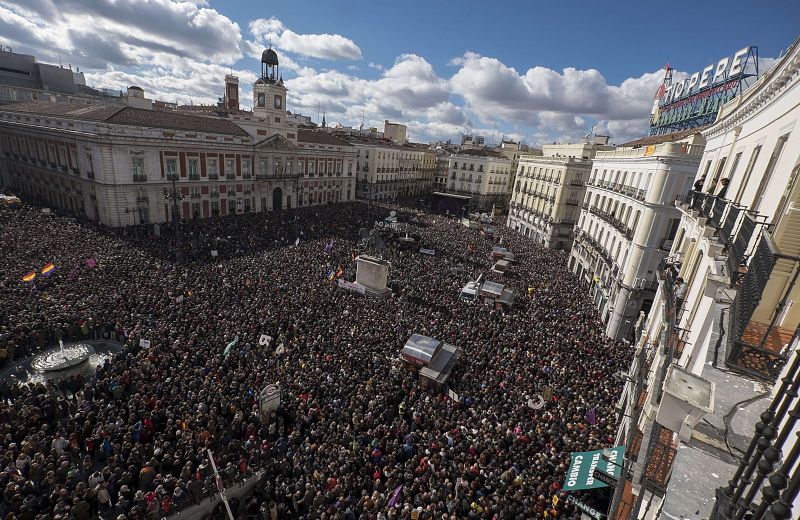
(580, 474)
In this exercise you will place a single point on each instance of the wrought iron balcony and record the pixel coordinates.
(139, 178)
(739, 245)
(718, 211)
(766, 484)
(754, 347)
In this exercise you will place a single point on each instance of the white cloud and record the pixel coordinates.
(324, 46)
(175, 50)
(182, 49)
(558, 102)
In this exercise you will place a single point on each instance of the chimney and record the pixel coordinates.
(231, 92)
(135, 99)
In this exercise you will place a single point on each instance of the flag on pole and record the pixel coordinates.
(91, 263)
(297, 242)
(48, 269)
(29, 277)
(329, 246)
(395, 497)
(339, 271)
(591, 415)
(231, 345)
(331, 275)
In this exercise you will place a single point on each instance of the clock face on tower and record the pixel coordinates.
(262, 99)
(278, 102)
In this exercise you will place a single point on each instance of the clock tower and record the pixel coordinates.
(269, 94)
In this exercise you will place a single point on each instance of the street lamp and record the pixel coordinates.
(175, 195)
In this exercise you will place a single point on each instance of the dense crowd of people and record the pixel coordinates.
(356, 437)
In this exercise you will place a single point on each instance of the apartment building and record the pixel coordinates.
(628, 220)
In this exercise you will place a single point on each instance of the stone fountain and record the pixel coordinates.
(62, 358)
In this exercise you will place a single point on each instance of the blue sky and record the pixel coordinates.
(537, 71)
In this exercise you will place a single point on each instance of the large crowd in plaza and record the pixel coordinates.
(356, 436)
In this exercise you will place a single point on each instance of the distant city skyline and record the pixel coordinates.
(532, 72)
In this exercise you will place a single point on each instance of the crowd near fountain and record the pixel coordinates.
(353, 433)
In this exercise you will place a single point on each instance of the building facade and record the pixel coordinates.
(115, 164)
(387, 170)
(725, 316)
(628, 220)
(395, 132)
(23, 79)
(548, 191)
(442, 168)
(482, 174)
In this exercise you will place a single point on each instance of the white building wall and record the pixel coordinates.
(625, 225)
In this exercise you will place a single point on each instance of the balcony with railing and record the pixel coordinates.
(757, 336)
(139, 177)
(766, 482)
(764, 280)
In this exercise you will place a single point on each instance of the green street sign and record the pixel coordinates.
(580, 474)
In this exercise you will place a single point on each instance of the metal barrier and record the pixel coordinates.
(739, 246)
(757, 473)
(751, 358)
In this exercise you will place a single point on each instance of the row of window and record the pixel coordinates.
(715, 185)
(471, 167)
(391, 155)
(279, 167)
(548, 174)
(637, 180)
(55, 153)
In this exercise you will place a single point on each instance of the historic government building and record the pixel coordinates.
(119, 164)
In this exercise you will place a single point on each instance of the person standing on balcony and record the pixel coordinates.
(723, 188)
(698, 184)
(680, 293)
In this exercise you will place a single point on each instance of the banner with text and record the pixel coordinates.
(580, 474)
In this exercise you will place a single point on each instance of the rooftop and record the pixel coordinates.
(482, 152)
(320, 137)
(125, 115)
(658, 139)
(363, 139)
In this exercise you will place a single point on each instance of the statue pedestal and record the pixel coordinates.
(372, 273)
